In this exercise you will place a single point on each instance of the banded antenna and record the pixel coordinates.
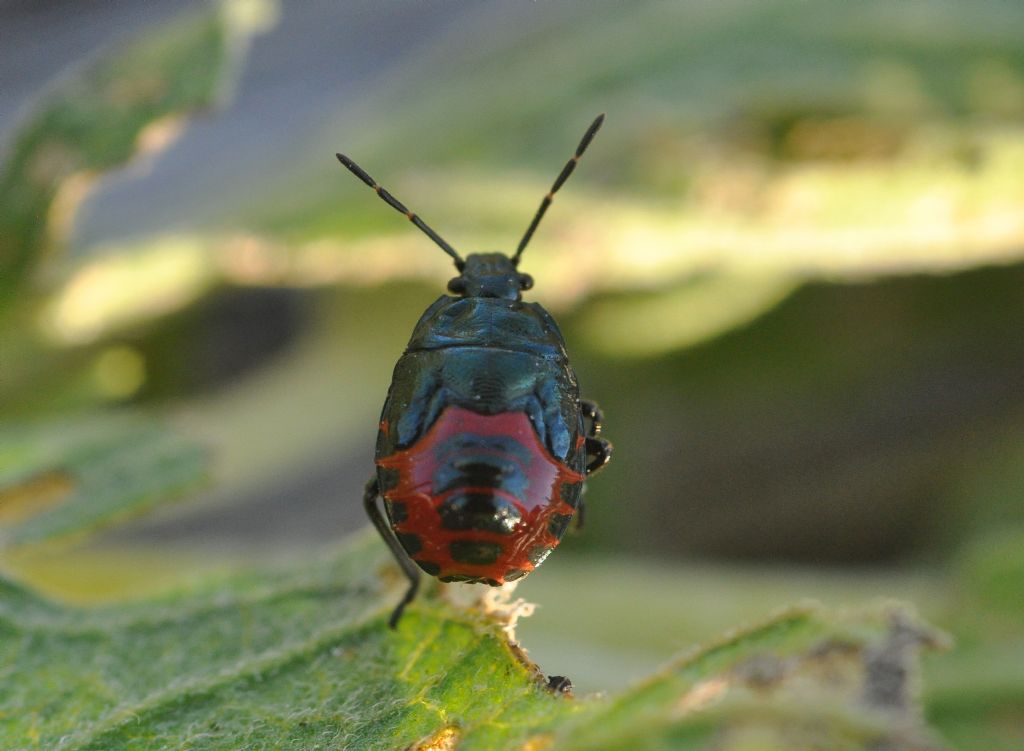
(559, 181)
(393, 202)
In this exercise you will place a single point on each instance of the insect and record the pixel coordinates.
(484, 442)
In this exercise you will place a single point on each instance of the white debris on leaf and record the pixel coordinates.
(497, 602)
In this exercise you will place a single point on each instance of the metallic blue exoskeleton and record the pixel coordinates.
(491, 355)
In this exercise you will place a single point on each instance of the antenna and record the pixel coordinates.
(562, 177)
(393, 202)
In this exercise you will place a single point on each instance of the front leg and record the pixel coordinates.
(405, 563)
(593, 413)
(599, 451)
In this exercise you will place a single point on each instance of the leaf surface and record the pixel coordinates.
(302, 658)
(70, 477)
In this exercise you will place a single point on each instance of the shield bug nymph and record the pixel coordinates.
(484, 442)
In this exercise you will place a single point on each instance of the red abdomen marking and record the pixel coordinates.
(479, 497)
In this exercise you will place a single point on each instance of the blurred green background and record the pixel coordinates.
(790, 270)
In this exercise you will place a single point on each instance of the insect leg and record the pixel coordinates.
(596, 447)
(581, 510)
(601, 450)
(406, 564)
(593, 413)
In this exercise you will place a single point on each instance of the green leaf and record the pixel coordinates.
(71, 477)
(126, 100)
(302, 658)
(975, 694)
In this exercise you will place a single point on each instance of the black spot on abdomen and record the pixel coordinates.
(430, 567)
(482, 512)
(475, 552)
(410, 542)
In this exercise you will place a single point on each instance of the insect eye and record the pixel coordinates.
(457, 285)
(525, 281)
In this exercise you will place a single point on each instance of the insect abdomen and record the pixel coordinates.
(478, 497)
